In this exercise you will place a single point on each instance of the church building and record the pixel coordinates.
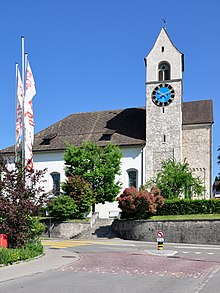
(165, 128)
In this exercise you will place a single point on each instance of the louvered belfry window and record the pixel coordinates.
(164, 71)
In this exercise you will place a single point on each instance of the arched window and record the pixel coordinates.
(56, 182)
(132, 178)
(164, 71)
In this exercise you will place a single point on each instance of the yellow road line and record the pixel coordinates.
(64, 245)
(73, 243)
(67, 242)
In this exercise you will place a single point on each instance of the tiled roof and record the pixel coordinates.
(198, 112)
(122, 127)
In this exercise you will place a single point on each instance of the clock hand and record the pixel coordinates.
(159, 92)
(165, 94)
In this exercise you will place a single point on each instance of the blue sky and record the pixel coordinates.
(88, 55)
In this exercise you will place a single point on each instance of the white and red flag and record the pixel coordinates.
(30, 92)
(19, 108)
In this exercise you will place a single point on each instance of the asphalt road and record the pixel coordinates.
(126, 266)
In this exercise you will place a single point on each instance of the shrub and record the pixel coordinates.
(19, 202)
(31, 250)
(139, 204)
(35, 227)
(176, 180)
(79, 190)
(62, 208)
(189, 206)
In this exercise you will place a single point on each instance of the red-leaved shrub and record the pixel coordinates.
(139, 204)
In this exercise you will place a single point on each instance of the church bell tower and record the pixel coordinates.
(164, 67)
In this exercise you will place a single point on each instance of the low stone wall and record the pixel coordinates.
(64, 230)
(67, 230)
(194, 231)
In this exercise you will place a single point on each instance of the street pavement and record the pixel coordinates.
(177, 268)
(53, 259)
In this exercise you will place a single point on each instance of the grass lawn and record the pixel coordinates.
(187, 217)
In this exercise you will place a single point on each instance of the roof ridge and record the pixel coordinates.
(198, 101)
(111, 110)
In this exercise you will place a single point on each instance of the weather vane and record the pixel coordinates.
(164, 22)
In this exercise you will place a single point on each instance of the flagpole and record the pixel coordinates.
(23, 81)
(16, 84)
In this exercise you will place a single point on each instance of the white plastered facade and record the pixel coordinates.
(132, 159)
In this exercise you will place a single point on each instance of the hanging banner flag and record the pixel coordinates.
(19, 108)
(30, 91)
(30, 84)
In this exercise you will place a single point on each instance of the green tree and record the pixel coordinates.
(175, 180)
(98, 166)
(79, 190)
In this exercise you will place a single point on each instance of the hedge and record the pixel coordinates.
(189, 207)
(9, 255)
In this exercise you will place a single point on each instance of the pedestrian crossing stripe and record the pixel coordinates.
(74, 243)
(63, 244)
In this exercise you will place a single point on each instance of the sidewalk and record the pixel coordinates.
(52, 259)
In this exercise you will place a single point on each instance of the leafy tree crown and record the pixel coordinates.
(98, 166)
(176, 180)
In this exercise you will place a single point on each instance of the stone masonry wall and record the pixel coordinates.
(196, 150)
(160, 123)
(198, 232)
(65, 230)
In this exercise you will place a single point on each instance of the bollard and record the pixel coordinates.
(159, 245)
(160, 239)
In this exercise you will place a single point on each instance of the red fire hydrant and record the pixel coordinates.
(3, 240)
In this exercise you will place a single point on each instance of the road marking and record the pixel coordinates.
(63, 244)
(114, 244)
(110, 243)
(199, 289)
(74, 243)
(197, 252)
(198, 247)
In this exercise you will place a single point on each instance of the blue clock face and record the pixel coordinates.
(163, 95)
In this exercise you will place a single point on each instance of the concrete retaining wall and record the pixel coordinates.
(198, 231)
